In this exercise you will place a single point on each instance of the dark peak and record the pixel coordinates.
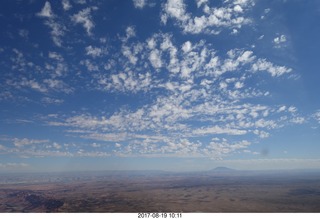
(223, 169)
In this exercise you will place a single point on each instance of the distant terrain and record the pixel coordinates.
(218, 190)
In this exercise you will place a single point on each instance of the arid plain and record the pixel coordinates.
(220, 190)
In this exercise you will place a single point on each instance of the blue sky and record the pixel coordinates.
(170, 85)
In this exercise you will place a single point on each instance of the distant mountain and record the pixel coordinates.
(223, 169)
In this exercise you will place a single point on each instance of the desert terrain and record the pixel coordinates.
(218, 190)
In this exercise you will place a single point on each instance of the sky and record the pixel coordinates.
(159, 85)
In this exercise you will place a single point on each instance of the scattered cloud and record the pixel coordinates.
(279, 41)
(94, 51)
(57, 29)
(24, 33)
(298, 120)
(46, 11)
(191, 98)
(66, 5)
(218, 130)
(84, 18)
(48, 100)
(139, 3)
(316, 116)
(25, 141)
(274, 70)
(213, 19)
(11, 166)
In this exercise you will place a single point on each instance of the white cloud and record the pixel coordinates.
(316, 115)
(139, 3)
(48, 100)
(229, 16)
(58, 85)
(274, 70)
(93, 51)
(155, 58)
(201, 2)
(89, 65)
(176, 9)
(282, 108)
(23, 33)
(95, 145)
(238, 85)
(219, 130)
(237, 8)
(279, 40)
(81, 2)
(57, 29)
(25, 141)
(56, 56)
(108, 137)
(186, 47)
(261, 133)
(130, 32)
(46, 11)
(2, 148)
(219, 148)
(197, 85)
(66, 5)
(127, 82)
(84, 17)
(13, 165)
(298, 120)
(234, 31)
(33, 84)
(292, 109)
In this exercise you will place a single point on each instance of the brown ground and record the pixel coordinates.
(206, 192)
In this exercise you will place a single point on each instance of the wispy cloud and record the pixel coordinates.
(57, 29)
(25, 141)
(11, 166)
